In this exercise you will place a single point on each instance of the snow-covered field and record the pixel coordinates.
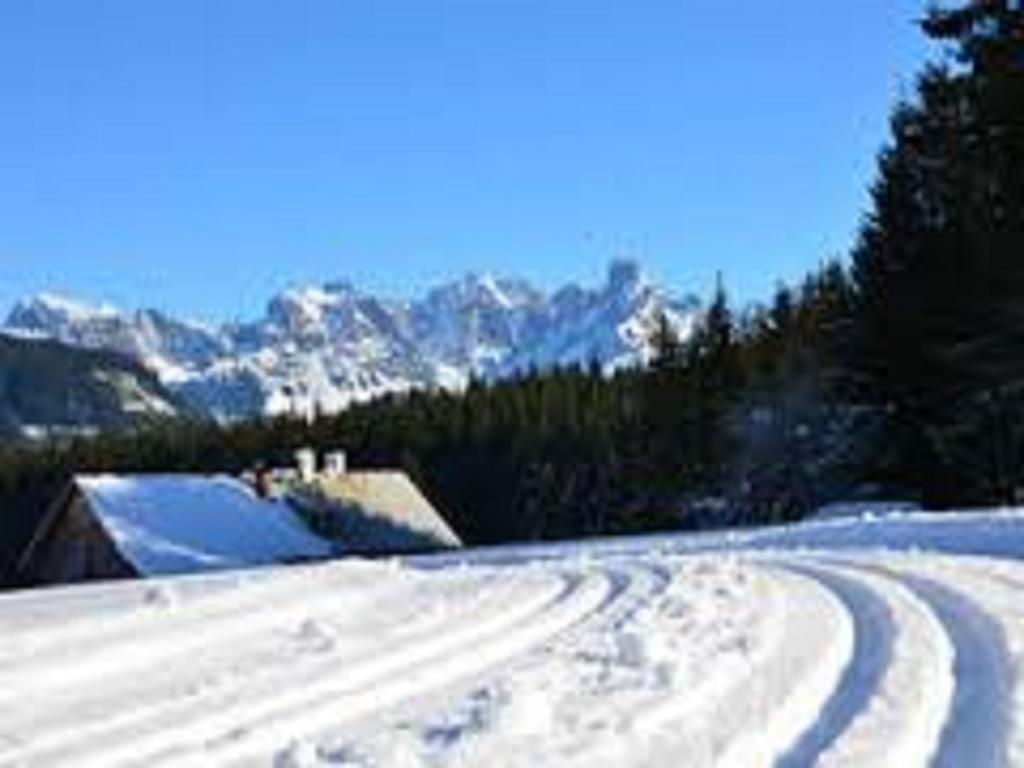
(889, 641)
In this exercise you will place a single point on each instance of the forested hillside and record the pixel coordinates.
(49, 387)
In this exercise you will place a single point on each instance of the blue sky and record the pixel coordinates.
(197, 155)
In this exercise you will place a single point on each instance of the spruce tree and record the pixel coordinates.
(939, 267)
(714, 366)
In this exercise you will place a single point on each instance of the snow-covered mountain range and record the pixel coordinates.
(321, 348)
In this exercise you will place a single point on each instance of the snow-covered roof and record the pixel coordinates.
(165, 524)
(376, 511)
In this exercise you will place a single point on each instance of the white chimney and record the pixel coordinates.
(305, 462)
(335, 464)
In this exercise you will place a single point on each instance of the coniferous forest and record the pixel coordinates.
(896, 372)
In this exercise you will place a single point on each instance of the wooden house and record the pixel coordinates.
(123, 526)
(108, 527)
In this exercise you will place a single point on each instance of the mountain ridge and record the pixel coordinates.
(320, 348)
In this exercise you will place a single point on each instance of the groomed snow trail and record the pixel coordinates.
(870, 642)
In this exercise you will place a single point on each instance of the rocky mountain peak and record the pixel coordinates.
(335, 344)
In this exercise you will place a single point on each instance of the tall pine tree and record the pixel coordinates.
(939, 267)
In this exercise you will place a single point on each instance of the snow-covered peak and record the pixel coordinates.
(73, 322)
(484, 290)
(48, 308)
(299, 310)
(322, 347)
(73, 307)
(625, 275)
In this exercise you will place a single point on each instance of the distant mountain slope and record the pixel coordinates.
(324, 347)
(49, 387)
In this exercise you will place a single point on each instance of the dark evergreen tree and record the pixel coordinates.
(714, 367)
(939, 269)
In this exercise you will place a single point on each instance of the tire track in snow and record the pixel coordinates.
(269, 722)
(785, 693)
(873, 634)
(744, 711)
(261, 627)
(976, 731)
(164, 638)
(102, 622)
(637, 585)
(166, 629)
(902, 718)
(628, 587)
(988, 583)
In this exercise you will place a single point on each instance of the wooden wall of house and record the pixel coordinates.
(78, 548)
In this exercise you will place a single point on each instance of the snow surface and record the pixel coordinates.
(840, 509)
(171, 524)
(891, 641)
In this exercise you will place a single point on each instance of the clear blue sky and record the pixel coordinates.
(197, 155)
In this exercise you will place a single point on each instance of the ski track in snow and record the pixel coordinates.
(795, 647)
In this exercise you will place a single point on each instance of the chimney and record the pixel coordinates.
(335, 464)
(263, 482)
(305, 462)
